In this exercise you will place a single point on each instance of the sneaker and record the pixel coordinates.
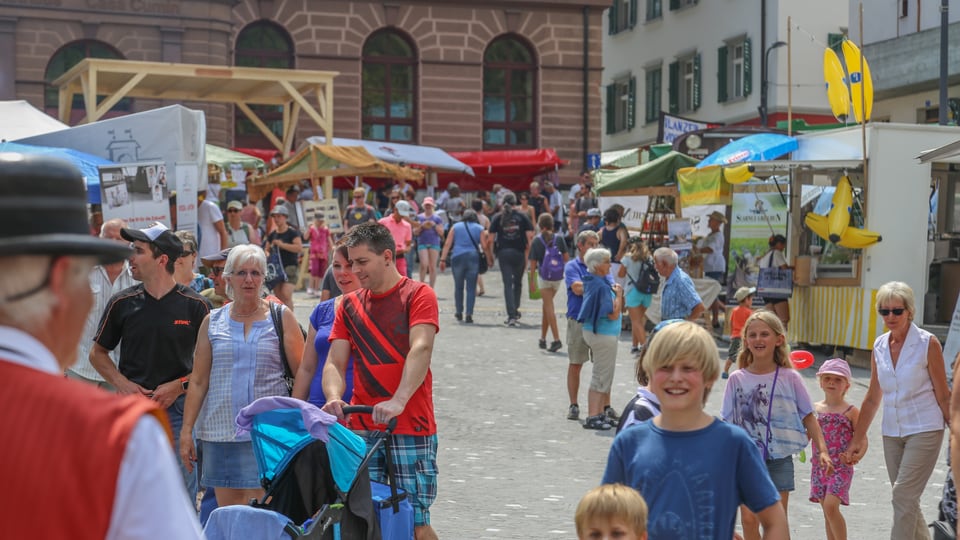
(555, 346)
(574, 412)
(635, 351)
(469, 319)
(611, 415)
(599, 422)
(725, 375)
(511, 322)
(542, 344)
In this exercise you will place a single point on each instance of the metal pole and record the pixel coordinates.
(944, 22)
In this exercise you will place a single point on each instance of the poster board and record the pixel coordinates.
(188, 181)
(137, 193)
(755, 216)
(331, 214)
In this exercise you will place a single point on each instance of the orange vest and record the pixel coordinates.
(63, 442)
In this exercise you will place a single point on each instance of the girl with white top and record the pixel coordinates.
(908, 376)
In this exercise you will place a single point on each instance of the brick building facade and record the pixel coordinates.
(510, 74)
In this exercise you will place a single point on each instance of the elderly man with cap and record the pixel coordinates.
(714, 263)
(105, 281)
(592, 221)
(158, 321)
(398, 223)
(358, 211)
(79, 462)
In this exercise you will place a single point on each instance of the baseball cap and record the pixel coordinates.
(744, 292)
(280, 209)
(218, 256)
(235, 205)
(836, 366)
(159, 235)
(593, 212)
(429, 200)
(404, 209)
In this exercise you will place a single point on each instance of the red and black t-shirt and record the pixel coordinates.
(378, 328)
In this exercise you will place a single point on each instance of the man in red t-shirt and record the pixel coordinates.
(391, 324)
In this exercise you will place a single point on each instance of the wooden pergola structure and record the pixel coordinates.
(241, 86)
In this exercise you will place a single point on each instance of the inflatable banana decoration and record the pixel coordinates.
(862, 104)
(835, 226)
(837, 92)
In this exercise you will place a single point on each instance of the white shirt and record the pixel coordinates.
(714, 262)
(208, 214)
(103, 290)
(909, 404)
(779, 260)
(150, 501)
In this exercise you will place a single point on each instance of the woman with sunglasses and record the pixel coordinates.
(183, 267)
(908, 378)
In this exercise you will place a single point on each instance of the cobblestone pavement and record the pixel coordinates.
(512, 465)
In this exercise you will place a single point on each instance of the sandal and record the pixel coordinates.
(598, 422)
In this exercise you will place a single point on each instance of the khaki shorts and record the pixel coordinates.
(604, 349)
(548, 284)
(577, 350)
(293, 272)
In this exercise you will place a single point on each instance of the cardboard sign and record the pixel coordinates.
(331, 214)
(137, 193)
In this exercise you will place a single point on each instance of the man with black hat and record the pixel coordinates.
(513, 233)
(158, 321)
(102, 463)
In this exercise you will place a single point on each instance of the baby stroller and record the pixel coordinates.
(314, 473)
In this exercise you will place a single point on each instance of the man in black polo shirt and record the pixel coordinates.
(158, 321)
(513, 232)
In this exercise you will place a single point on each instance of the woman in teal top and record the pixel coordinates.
(600, 315)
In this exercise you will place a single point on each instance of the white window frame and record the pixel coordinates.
(621, 104)
(687, 83)
(737, 73)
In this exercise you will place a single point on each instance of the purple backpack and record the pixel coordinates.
(551, 267)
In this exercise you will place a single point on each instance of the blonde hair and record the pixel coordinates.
(612, 501)
(638, 250)
(781, 355)
(684, 341)
(897, 290)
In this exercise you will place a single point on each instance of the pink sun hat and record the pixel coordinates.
(836, 366)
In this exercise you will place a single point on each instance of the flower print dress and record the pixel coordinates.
(837, 433)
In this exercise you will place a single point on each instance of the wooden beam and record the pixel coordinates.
(162, 89)
(119, 94)
(291, 117)
(297, 97)
(211, 88)
(65, 104)
(260, 125)
(256, 89)
(325, 101)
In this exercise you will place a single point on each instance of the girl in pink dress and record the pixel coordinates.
(836, 418)
(319, 238)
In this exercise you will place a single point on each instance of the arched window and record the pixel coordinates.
(65, 58)
(268, 45)
(509, 104)
(389, 98)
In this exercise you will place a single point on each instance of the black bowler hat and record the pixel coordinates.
(43, 210)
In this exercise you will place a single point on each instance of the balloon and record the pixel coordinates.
(801, 359)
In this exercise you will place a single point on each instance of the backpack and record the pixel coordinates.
(649, 279)
(551, 266)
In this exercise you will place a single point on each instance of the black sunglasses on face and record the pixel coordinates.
(216, 270)
(896, 311)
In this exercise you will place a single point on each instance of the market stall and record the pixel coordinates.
(513, 169)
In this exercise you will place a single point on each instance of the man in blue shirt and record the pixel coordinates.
(577, 350)
(679, 298)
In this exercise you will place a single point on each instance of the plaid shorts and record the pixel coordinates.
(415, 460)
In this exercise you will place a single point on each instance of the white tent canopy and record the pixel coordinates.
(22, 119)
(430, 157)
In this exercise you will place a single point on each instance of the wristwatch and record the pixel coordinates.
(184, 383)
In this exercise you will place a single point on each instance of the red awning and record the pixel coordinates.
(515, 169)
(265, 154)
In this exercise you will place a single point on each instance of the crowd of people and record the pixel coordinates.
(180, 352)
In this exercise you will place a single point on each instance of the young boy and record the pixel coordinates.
(693, 470)
(738, 317)
(611, 511)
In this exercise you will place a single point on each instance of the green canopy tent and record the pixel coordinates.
(221, 160)
(637, 180)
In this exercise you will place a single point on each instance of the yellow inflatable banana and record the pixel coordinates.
(837, 92)
(862, 99)
(835, 226)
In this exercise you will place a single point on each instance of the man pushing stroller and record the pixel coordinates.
(391, 323)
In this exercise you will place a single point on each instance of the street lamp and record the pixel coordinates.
(763, 81)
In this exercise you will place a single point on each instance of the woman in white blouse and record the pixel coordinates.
(908, 376)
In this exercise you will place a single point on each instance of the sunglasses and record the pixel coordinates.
(216, 270)
(358, 196)
(232, 211)
(896, 311)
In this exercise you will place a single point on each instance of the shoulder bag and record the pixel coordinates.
(276, 314)
(775, 283)
(483, 256)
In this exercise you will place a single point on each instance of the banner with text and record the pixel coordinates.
(137, 193)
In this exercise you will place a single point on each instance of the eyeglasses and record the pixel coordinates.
(896, 311)
(216, 270)
(232, 211)
(252, 274)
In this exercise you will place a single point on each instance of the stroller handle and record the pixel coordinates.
(367, 409)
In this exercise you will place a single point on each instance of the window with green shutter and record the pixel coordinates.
(633, 13)
(680, 4)
(722, 74)
(673, 87)
(610, 109)
(612, 27)
(632, 103)
(834, 41)
(621, 104)
(654, 9)
(747, 69)
(652, 94)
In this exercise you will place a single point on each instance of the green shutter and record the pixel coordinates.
(747, 70)
(612, 19)
(674, 87)
(611, 108)
(834, 41)
(633, 13)
(696, 82)
(632, 104)
(722, 74)
(674, 5)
